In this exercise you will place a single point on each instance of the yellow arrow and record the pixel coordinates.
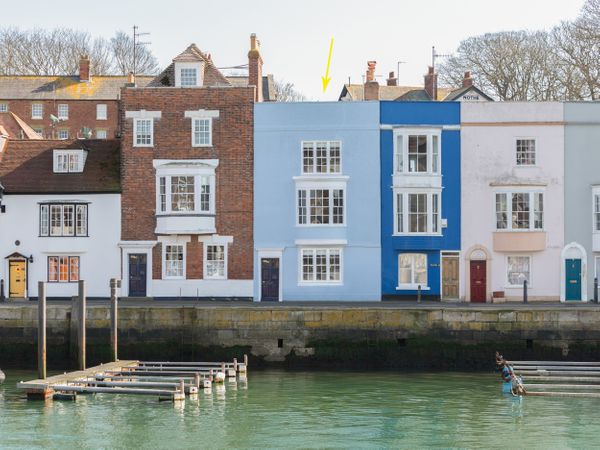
(326, 79)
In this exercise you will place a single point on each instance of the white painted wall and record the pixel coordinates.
(488, 134)
(99, 253)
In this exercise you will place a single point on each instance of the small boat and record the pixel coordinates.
(2, 377)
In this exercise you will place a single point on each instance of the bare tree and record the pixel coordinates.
(285, 92)
(122, 50)
(57, 52)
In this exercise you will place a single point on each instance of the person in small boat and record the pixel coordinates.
(505, 369)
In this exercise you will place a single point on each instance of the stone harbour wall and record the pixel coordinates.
(310, 336)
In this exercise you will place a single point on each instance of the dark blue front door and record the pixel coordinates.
(573, 279)
(137, 274)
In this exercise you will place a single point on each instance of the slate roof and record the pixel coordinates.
(34, 87)
(212, 75)
(355, 92)
(456, 94)
(269, 94)
(26, 167)
(417, 95)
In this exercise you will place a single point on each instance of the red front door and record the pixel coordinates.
(478, 281)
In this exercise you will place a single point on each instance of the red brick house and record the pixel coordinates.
(187, 181)
(83, 106)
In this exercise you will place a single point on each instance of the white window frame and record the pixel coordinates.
(34, 114)
(401, 160)
(507, 280)
(330, 189)
(45, 213)
(314, 145)
(413, 285)
(104, 134)
(198, 184)
(101, 111)
(206, 263)
(595, 213)
(3, 107)
(199, 66)
(430, 192)
(187, 77)
(509, 211)
(62, 111)
(314, 282)
(535, 151)
(59, 134)
(183, 245)
(197, 143)
(136, 122)
(70, 166)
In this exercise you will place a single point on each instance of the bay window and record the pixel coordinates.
(412, 270)
(179, 194)
(417, 151)
(519, 211)
(321, 265)
(320, 206)
(417, 212)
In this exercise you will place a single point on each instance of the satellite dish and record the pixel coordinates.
(86, 132)
(54, 119)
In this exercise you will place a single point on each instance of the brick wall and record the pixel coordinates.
(82, 113)
(232, 146)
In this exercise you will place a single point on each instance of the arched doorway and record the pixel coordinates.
(573, 280)
(477, 274)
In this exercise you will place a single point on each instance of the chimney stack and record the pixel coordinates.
(371, 87)
(255, 64)
(431, 84)
(467, 80)
(130, 80)
(392, 80)
(84, 68)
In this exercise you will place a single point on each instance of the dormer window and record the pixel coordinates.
(189, 74)
(69, 161)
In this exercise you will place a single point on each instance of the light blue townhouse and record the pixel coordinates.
(420, 199)
(317, 202)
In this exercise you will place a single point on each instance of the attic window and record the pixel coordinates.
(189, 77)
(69, 161)
(189, 74)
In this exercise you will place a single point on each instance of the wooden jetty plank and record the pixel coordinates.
(186, 363)
(557, 373)
(572, 378)
(40, 384)
(112, 390)
(564, 394)
(158, 372)
(179, 368)
(561, 386)
(559, 368)
(555, 363)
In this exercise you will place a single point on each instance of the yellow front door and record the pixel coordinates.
(18, 275)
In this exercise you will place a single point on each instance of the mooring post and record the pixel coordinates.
(197, 380)
(81, 326)
(235, 365)
(113, 319)
(525, 291)
(246, 361)
(596, 290)
(419, 294)
(41, 330)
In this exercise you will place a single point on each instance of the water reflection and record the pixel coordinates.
(309, 410)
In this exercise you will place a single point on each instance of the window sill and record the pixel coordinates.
(202, 145)
(514, 286)
(101, 118)
(216, 278)
(519, 230)
(416, 234)
(315, 225)
(320, 283)
(173, 278)
(411, 287)
(144, 146)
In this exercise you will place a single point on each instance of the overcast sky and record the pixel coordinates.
(295, 35)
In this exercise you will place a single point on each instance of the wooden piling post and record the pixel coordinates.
(42, 330)
(113, 319)
(235, 365)
(197, 380)
(81, 326)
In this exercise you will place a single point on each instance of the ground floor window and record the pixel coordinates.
(174, 261)
(321, 265)
(216, 259)
(518, 270)
(412, 270)
(63, 269)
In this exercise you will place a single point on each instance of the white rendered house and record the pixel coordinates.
(61, 217)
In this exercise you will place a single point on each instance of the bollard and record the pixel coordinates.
(81, 326)
(113, 319)
(197, 380)
(419, 294)
(525, 291)
(2, 297)
(596, 290)
(246, 361)
(42, 330)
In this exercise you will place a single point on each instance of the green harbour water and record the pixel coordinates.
(279, 409)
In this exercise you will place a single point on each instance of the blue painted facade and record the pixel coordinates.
(281, 130)
(441, 119)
